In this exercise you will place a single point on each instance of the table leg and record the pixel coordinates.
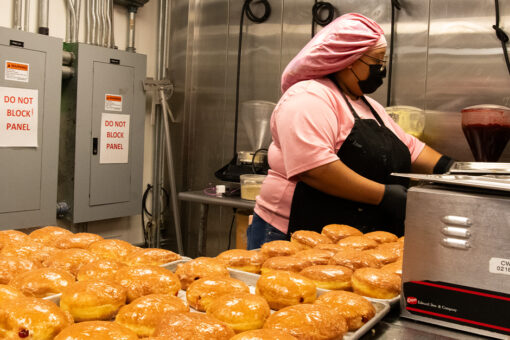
(202, 231)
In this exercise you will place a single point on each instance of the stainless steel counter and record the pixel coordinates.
(396, 328)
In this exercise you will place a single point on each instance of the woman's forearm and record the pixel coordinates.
(337, 179)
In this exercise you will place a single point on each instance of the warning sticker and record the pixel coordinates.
(114, 138)
(499, 266)
(113, 102)
(18, 117)
(17, 71)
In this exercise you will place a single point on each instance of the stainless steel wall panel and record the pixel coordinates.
(465, 67)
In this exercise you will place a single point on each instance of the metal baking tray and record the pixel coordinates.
(480, 168)
(500, 183)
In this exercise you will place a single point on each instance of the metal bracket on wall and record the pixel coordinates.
(160, 91)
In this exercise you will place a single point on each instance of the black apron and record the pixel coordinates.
(371, 150)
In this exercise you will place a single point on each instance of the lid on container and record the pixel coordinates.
(485, 107)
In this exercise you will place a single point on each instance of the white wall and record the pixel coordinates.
(128, 228)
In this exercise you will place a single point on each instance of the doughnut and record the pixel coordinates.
(308, 239)
(49, 235)
(394, 268)
(358, 242)
(96, 330)
(93, 300)
(111, 249)
(286, 263)
(382, 236)
(194, 326)
(308, 321)
(102, 269)
(241, 311)
(145, 313)
(242, 259)
(79, 240)
(384, 256)
(145, 279)
(70, 260)
(42, 282)
(336, 232)
(152, 256)
(8, 293)
(329, 276)
(354, 259)
(199, 268)
(282, 289)
(202, 292)
(279, 248)
(11, 266)
(315, 256)
(376, 283)
(264, 334)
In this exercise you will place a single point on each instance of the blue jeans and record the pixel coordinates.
(260, 232)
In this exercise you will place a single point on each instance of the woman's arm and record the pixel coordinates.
(426, 161)
(337, 179)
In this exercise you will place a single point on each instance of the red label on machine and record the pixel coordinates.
(18, 117)
(16, 71)
(113, 102)
(114, 138)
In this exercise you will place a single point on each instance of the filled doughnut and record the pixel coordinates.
(376, 283)
(308, 239)
(202, 292)
(336, 232)
(96, 330)
(382, 236)
(329, 276)
(286, 263)
(199, 268)
(242, 259)
(354, 259)
(42, 282)
(358, 242)
(279, 248)
(194, 326)
(152, 256)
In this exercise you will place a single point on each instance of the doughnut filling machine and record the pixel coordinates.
(456, 270)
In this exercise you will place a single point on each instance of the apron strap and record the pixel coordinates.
(374, 112)
(356, 117)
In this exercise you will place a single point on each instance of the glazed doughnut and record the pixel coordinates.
(199, 268)
(145, 313)
(42, 282)
(282, 289)
(79, 240)
(307, 239)
(32, 318)
(194, 326)
(401, 239)
(354, 259)
(49, 235)
(358, 242)
(308, 321)
(279, 248)
(29, 250)
(202, 292)
(241, 311)
(242, 259)
(152, 256)
(12, 236)
(116, 250)
(286, 263)
(145, 279)
(333, 248)
(11, 266)
(264, 334)
(329, 276)
(315, 256)
(96, 330)
(336, 232)
(394, 268)
(382, 236)
(93, 300)
(396, 248)
(8, 293)
(354, 308)
(102, 269)
(70, 260)
(375, 283)
(384, 256)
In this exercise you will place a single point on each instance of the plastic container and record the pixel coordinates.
(410, 119)
(250, 186)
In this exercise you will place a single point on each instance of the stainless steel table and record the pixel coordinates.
(205, 200)
(393, 327)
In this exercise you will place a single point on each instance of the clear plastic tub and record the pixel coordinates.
(250, 186)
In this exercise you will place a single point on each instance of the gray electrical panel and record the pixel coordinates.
(30, 80)
(102, 134)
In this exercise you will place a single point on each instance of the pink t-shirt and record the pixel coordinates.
(309, 125)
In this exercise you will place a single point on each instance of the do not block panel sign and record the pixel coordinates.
(114, 138)
(18, 117)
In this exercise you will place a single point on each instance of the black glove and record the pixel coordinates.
(443, 165)
(394, 202)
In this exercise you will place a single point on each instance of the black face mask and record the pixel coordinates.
(375, 76)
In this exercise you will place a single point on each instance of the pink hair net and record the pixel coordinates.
(335, 47)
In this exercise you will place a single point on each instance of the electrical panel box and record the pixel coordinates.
(102, 134)
(30, 84)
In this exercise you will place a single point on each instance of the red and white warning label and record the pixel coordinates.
(114, 138)
(113, 102)
(18, 117)
(17, 71)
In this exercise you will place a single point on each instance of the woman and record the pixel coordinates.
(334, 149)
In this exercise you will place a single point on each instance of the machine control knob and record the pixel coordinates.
(456, 243)
(457, 220)
(456, 232)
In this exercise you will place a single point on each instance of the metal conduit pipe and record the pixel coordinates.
(93, 29)
(27, 16)
(99, 31)
(43, 17)
(112, 35)
(70, 21)
(77, 6)
(87, 21)
(131, 29)
(17, 16)
(103, 20)
(108, 23)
